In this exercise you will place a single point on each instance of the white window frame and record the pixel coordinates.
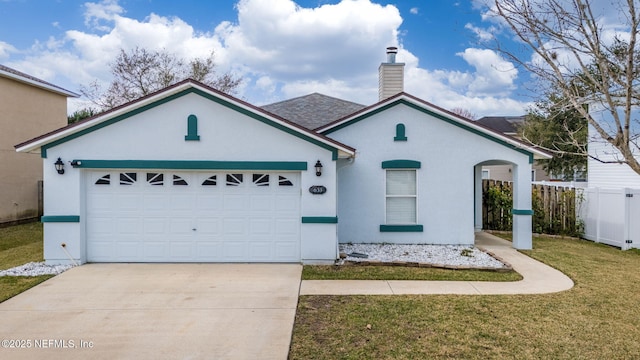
(486, 171)
(415, 197)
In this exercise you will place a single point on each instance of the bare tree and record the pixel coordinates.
(465, 113)
(578, 53)
(140, 72)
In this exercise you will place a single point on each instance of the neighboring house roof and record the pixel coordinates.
(439, 113)
(314, 110)
(504, 124)
(182, 88)
(16, 75)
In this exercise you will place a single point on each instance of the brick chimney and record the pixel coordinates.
(390, 75)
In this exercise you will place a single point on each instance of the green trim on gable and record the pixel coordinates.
(204, 94)
(401, 228)
(191, 165)
(192, 129)
(428, 112)
(401, 164)
(60, 219)
(521, 212)
(319, 219)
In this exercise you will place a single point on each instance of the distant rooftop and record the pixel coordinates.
(32, 80)
(504, 124)
(314, 110)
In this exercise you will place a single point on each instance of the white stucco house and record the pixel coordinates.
(189, 174)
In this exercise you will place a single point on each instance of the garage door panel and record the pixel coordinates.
(101, 202)
(154, 250)
(208, 226)
(285, 250)
(129, 202)
(260, 250)
(192, 216)
(127, 226)
(155, 202)
(234, 250)
(154, 226)
(233, 226)
(209, 250)
(286, 227)
(180, 226)
(260, 227)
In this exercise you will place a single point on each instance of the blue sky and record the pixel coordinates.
(280, 48)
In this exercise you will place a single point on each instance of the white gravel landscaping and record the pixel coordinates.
(35, 269)
(452, 255)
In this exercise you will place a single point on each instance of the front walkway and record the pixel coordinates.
(538, 278)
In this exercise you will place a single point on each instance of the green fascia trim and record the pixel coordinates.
(319, 220)
(191, 165)
(429, 112)
(223, 102)
(401, 228)
(521, 212)
(401, 164)
(60, 219)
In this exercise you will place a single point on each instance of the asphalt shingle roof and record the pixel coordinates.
(314, 110)
(503, 124)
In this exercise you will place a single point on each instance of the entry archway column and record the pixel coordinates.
(521, 212)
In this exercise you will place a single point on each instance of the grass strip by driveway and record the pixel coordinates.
(363, 272)
(19, 245)
(597, 319)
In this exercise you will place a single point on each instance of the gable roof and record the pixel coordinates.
(16, 75)
(441, 114)
(504, 124)
(175, 91)
(314, 110)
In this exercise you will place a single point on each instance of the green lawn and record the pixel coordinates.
(359, 272)
(598, 319)
(19, 245)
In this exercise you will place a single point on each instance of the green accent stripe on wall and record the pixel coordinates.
(401, 164)
(60, 219)
(319, 220)
(191, 165)
(401, 228)
(521, 212)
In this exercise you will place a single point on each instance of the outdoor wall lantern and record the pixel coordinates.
(59, 166)
(318, 168)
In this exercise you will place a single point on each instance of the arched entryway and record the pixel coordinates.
(521, 207)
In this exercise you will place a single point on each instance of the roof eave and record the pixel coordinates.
(55, 89)
(36, 143)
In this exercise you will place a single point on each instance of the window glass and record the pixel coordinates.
(128, 178)
(401, 197)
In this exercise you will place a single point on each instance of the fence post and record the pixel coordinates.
(627, 218)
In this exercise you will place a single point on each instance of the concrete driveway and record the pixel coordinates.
(155, 311)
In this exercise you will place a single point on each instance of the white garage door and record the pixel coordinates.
(173, 216)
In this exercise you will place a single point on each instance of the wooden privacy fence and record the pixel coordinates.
(554, 208)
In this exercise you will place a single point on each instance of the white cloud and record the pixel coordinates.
(98, 14)
(483, 35)
(281, 50)
(414, 10)
(6, 50)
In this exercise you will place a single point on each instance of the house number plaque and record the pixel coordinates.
(317, 189)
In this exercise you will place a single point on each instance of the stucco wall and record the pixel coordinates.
(445, 180)
(26, 112)
(159, 134)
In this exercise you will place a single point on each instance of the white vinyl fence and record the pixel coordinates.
(611, 216)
